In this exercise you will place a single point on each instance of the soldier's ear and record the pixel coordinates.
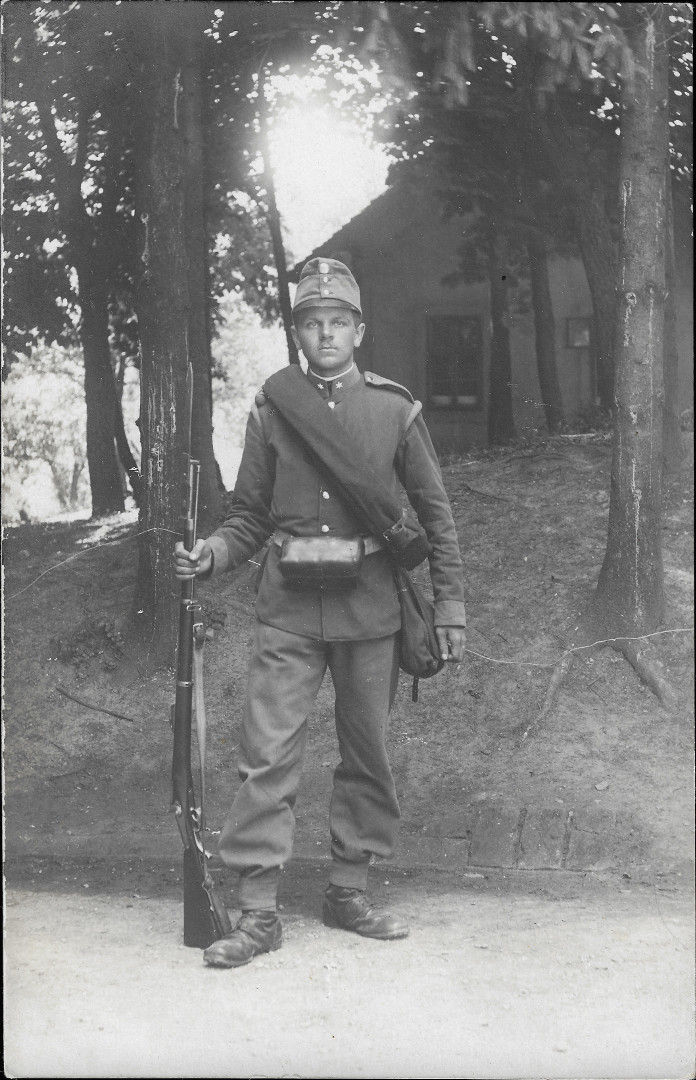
(359, 331)
(295, 337)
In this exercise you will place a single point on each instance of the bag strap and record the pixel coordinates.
(334, 452)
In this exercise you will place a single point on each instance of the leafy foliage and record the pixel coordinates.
(68, 164)
(478, 85)
(245, 353)
(39, 295)
(43, 427)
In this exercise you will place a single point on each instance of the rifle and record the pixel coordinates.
(205, 917)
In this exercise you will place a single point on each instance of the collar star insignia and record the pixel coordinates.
(320, 386)
(338, 385)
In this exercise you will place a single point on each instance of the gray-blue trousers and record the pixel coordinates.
(285, 673)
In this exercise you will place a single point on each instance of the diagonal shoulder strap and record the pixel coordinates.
(336, 453)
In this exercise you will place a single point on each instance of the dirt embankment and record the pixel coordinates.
(532, 525)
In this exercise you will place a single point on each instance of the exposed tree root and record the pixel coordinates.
(487, 494)
(94, 708)
(648, 673)
(558, 675)
(592, 636)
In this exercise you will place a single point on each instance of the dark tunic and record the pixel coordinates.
(278, 488)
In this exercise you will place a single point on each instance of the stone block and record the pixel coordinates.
(458, 825)
(541, 843)
(433, 851)
(494, 836)
(594, 844)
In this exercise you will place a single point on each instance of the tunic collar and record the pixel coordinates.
(335, 387)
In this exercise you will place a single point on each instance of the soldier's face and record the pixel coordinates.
(327, 337)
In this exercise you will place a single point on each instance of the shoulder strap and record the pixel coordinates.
(380, 383)
(335, 452)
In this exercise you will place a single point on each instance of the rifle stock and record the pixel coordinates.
(205, 917)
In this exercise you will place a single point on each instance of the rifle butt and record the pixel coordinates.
(205, 918)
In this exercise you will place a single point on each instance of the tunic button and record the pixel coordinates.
(332, 404)
(325, 495)
(325, 528)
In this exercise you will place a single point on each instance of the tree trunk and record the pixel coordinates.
(276, 230)
(630, 590)
(545, 332)
(60, 486)
(163, 309)
(100, 397)
(210, 496)
(671, 433)
(75, 482)
(79, 228)
(501, 424)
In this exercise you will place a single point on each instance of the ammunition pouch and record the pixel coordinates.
(318, 559)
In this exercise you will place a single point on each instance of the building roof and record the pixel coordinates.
(363, 226)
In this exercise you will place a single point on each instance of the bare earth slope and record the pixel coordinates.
(532, 525)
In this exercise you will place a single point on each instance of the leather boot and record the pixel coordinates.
(256, 932)
(349, 909)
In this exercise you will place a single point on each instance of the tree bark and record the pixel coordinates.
(671, 433)
(74, 483)
(210, 494)
(100, 397)
(630, 592)
(501, 423)
(163, 311)
(276, 230)
(545, 331)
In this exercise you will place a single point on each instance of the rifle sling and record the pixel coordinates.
(201, 729)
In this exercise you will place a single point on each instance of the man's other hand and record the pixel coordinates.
(189, 564)
(451, 641)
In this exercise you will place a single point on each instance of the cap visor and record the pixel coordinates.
(326, 301)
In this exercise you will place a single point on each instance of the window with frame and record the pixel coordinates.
(455, 362)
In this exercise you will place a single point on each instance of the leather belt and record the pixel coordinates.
(372, 543)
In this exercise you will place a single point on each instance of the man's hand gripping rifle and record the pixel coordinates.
(205, 917)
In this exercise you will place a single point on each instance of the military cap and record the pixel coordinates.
(327, 281)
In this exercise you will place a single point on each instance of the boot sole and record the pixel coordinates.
(332, 922)
(241, 963)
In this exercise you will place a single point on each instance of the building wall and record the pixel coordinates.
(400, 271)
(400, 250)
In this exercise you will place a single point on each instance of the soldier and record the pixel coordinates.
(302, 628)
